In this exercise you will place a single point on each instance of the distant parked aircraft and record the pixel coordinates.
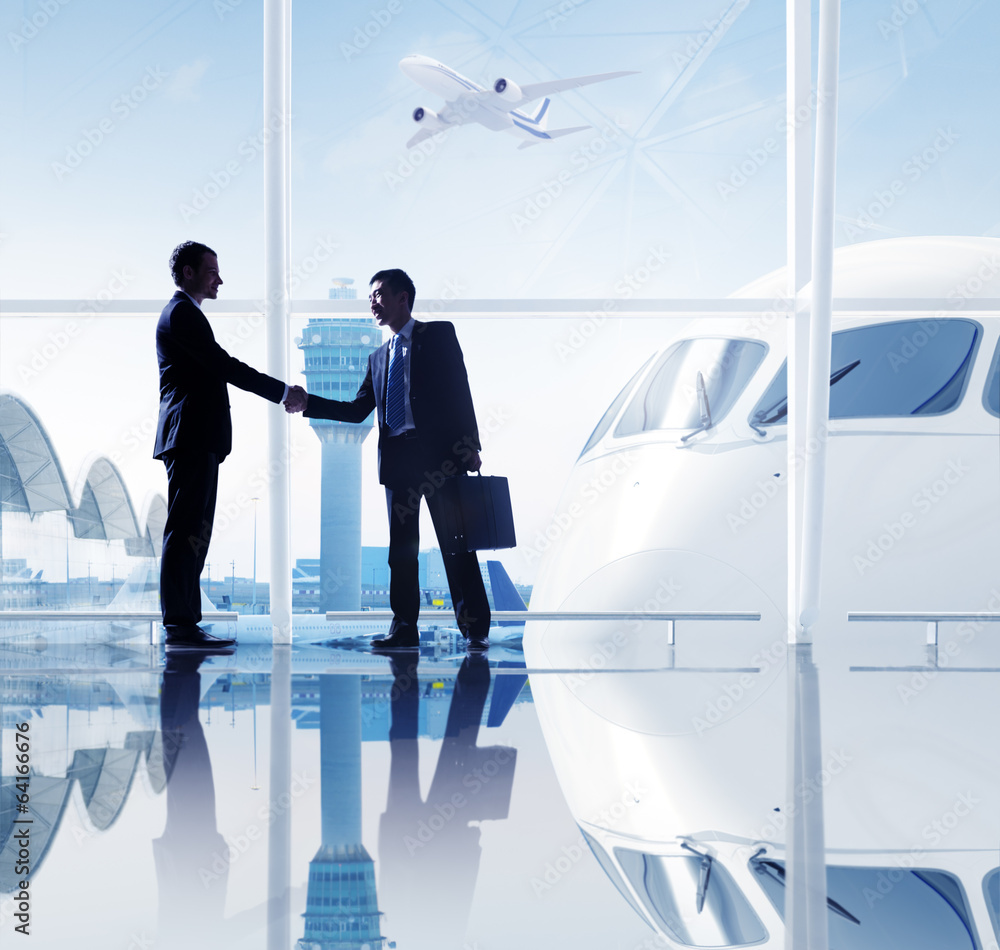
(497, 108)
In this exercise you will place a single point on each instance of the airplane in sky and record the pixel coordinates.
(497, 108)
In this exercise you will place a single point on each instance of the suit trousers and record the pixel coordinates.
(192, 483)
(406, 484)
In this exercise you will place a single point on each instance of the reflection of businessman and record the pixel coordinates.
(429, 850)
(418, 385)
(194, 433)
(191, 867)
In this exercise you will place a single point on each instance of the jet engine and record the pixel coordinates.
(428, 119)
(508, 89)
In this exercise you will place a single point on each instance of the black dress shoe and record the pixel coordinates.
(178, 653)
(193, 635)
(401, 636)
(477, 644)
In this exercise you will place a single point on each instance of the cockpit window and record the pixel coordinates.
(991, 888)
(694, 385)
(612, 411)
(692, 898)
(991, 397)
(612, 872)
(907, 368)
(875, 908)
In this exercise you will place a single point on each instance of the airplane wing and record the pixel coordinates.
(536, 90)
(421, 136)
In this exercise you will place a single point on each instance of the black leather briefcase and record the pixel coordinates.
(478, 515)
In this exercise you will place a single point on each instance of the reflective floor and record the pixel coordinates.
(325, 797)
(418, 807)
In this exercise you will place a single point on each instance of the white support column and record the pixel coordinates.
(277, 118)
(806, 926)
(798, 189)
(818, 403)
(279, 836)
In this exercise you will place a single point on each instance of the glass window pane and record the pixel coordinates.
(991, 397)
(885, 908)
(612, 872)
(905, 368)
(692, 375)
(612, 411)
(692, 898)
(991, 888)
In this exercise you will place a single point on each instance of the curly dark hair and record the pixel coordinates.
(188, 254)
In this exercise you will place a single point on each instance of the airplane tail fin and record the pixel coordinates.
(541, 117)
(505, 595)
(554, 134)
(140, 590)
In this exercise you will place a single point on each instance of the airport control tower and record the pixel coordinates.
(336, 353)
(341, 901)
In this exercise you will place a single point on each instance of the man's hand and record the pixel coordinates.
(297, 399)
(475, 463)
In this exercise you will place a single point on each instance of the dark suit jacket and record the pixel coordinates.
(440, 400)
(194, 371)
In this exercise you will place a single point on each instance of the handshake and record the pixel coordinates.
(297, 399)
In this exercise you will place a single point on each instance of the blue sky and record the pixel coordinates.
(116, 117)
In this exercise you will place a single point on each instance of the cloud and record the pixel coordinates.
(183, 87)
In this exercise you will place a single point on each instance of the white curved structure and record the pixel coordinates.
(672, 757)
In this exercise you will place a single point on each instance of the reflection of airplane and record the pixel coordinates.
(676, 773)
(497, 108)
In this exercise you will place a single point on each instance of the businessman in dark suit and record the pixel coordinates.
(194, 434)
(418, 385)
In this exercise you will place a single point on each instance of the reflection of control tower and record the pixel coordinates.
(341, 903)
(336, 354)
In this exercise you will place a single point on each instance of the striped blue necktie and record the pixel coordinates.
(395, 412)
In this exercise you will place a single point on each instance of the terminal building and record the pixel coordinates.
(61, 546)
